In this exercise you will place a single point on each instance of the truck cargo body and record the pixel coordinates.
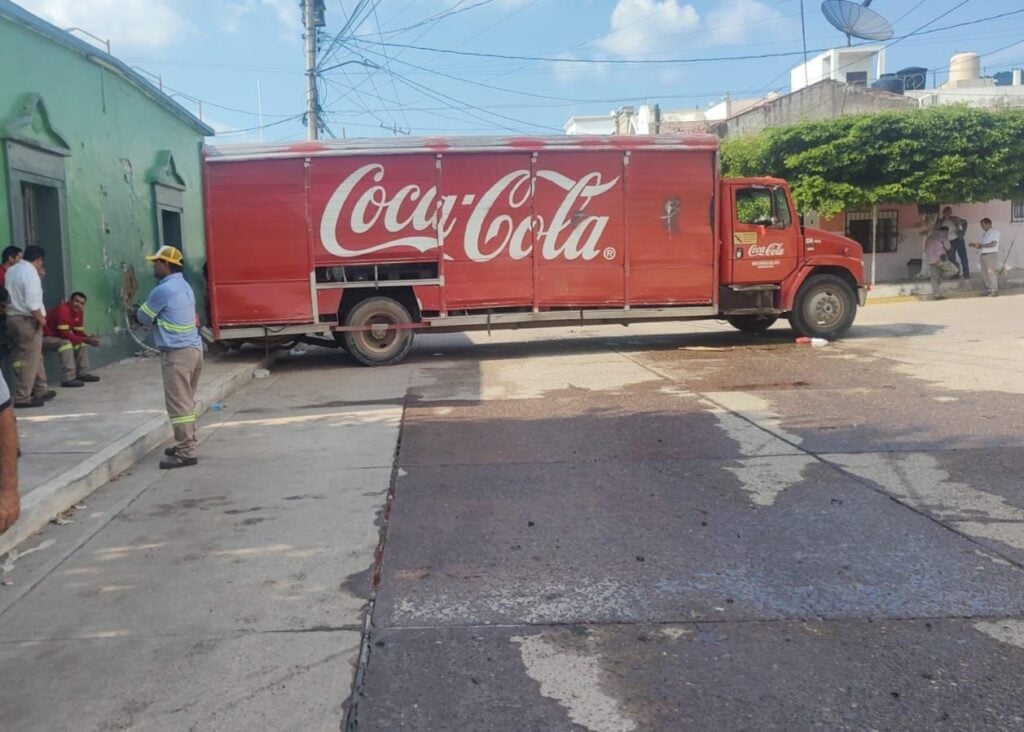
(487, 233)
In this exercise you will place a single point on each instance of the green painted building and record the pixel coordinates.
(98, 166)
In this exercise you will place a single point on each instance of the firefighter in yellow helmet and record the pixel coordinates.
(171, 308)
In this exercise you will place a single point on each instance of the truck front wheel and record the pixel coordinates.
(379, 344)
(825, 307)
(751, 323)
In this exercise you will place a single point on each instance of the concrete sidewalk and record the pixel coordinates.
(921, 288)
(87, 436)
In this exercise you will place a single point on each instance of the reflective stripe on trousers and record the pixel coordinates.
(181, 368)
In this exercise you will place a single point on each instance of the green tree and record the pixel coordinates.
(947, 154)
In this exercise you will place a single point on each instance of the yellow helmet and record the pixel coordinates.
(171, 255)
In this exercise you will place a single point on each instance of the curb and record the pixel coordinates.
(891, 299)
(72, 486)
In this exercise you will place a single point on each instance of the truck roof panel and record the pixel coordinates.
(405, 145)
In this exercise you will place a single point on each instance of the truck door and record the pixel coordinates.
(766, 242)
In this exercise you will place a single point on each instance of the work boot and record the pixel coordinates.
(47, 395)
(88, 377)
(68, 383)
(33, 402)
(177, 461)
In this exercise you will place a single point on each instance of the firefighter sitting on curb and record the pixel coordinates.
(64, 333)
(172, 307)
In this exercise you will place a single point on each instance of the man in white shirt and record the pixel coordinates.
(988, 248)
(26, 317)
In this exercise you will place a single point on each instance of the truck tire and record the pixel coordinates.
(386, 347)
(751, 323)
(825, 307)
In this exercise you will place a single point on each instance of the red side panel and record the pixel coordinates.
(258, 253)
(373, 209)
(489, 240)
(578, 206)
(670, 227)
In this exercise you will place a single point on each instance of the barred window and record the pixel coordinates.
(858, 228)
(1017, 210)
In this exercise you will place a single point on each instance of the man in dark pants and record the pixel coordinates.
(957, 246)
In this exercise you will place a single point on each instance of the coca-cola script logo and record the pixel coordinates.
(765, 250)
(409, 212)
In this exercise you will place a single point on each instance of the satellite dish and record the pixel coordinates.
(856, 20)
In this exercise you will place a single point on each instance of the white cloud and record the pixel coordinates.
(569, 71)
(287, 13)
(637, 26)
(666, 28)
(129, 24)
(737, 21)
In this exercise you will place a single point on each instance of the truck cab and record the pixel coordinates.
(773, 266)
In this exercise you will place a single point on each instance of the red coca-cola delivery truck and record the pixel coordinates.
(369, 241)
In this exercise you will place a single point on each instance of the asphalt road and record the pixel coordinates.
(665, 527)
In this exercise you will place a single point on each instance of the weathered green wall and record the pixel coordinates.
(115, 132)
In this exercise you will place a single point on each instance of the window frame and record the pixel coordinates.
(776, 196)
(887, 245)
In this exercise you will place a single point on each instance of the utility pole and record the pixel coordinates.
(312, 18)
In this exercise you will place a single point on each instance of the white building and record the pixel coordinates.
(861, 65)
(651, 119)
(595, 124)
(966, 85)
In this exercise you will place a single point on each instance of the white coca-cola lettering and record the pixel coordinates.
(358, 222)
(765, 250)
(572, 234)
(518, 185)
(586, 188)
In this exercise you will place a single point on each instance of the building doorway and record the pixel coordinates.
(41, 224)
(37, 200)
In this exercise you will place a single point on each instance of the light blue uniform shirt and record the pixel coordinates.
(172, 306)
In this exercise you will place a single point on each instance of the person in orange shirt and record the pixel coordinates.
(65, 334)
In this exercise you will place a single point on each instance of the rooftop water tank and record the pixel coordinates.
(889, 83)
(964, 67)
(913, 77)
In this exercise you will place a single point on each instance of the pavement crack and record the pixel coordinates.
(350, 722)
(703, 621)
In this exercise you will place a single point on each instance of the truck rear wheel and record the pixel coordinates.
(379, 344)
(751, 323)
(825, 307)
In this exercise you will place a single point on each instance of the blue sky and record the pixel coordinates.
(219, 50)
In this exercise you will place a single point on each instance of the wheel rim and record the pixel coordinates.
(826, 308)
(378, 339)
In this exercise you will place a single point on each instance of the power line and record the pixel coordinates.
(611, 61)
(294, 117)
(689, 60)
(919, 31)
(387, 64)
(442, 97)
(455, 10)
(350, 21)
(909, 12)
(433, 24)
